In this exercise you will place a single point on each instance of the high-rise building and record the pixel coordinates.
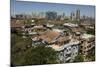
(51, 15)
(83, 17)
(72, 16)
(78, 15)
(63, 15)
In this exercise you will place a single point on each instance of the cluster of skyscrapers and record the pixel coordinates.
(52, 15)
(75, 16)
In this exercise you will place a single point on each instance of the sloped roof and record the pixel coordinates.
(17, 23)
(49, 35)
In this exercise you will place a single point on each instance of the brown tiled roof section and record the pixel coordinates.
(62, 39)
(49, 35)
(17, 23)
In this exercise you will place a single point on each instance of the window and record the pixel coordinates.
(69, 49)
(74, 48)
(84, 47)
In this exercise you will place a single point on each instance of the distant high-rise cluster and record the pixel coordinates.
(54, 15)
(75, 16)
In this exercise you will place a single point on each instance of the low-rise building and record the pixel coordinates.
(67, 52)
(66, 47)
(70, 25)
(88, 42)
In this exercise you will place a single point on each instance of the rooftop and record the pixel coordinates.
(49, 35)
(59, 48)
(70, 24)
(17, 23)
(87, 36)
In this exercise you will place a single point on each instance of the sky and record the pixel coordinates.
(18, 7)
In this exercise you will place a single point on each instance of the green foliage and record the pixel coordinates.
(91, 55)
(91, 31)
(40, 55)
(19, 32)
(18, 45)
(79, 58)
(14, 39)
(23, 55)
(34, 56)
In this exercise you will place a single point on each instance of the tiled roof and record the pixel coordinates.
(49, 35)
(17, 23)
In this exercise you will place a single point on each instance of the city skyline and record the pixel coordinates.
(19, 7)
(51, 33)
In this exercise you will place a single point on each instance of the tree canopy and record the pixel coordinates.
(21, 55)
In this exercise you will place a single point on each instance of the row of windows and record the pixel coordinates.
(89, 46)
(70, 48)
(67, 50)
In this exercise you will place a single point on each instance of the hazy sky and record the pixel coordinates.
(18, 7)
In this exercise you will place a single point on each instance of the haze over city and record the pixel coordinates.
(19, 7)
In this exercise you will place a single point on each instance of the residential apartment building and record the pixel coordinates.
(67, 48)
(68, 52)
(88, 42)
